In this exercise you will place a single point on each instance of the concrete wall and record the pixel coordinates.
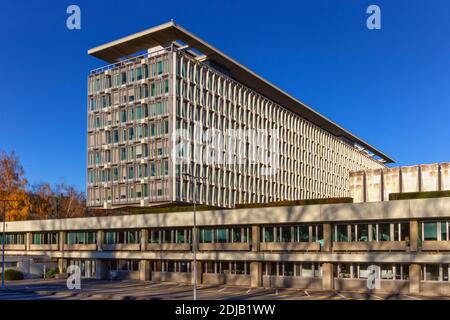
(290, 246)
(435, 288)
(292, 282)
(386, 286)
(238, 279)
(376, 185)
(180, 277)
(127, 275)
(213, 278)
(370, 246)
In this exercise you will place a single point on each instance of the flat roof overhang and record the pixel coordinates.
(115, 50)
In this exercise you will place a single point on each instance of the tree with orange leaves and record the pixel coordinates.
(13, 187)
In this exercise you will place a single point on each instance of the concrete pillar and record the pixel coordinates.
(414, 235)
(100, 269)
(144, 239)
(199, 271)
(414, 278)
(62, 265)
(327, 231)
(61, 240)
(100, 239)
(327, 276)
(145, 270)
(256, 237)
(256, 274)
(28, 242)
(195, 238)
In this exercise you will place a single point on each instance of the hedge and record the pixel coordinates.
(419, 195)
(11, 274)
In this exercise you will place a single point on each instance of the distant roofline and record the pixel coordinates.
(113, 51)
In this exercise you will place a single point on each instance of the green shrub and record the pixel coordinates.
(11, 274)
(51, 273)
(419, 195)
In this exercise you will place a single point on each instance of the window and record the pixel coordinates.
(160, 67)
(268, 234)
(123, 116)
(341, 233)
(236, 234)
(285, 234)
(45, 238)
(154, 236)
(430, 231)
(363, 270)
(206, 235)
(81, 237)
(123, 265)
(384, 232)
(122, 237)
(303, 233)
(431, 272)
(363, 232)
(222, 235)
(166, 86)
(13, 238)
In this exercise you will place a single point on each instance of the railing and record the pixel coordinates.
(129, 60)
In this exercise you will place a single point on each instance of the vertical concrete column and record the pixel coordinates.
(256, 237)
(62, 265)
(327, 237)
(144, 239)
(414, 278)
(414, 235)
(100, 240)
(61, 240)
(195, 238)
(327, 276)
(256, 274)
(199, 272)
(144, 270)
(100, 269)
(28, 236)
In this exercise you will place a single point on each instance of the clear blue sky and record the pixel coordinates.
(390, 87)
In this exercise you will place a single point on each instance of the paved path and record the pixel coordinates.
(39, 289)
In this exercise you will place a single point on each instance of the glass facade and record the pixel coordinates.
(292, 233)
(225, 235)
(362, 271)
(44, 238)
(122, 237)
(13, 238)
(227, 267)
(159, 236)
(88, 237)
(293, 269)
(364, 232)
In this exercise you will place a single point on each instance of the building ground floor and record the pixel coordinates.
(420, 279)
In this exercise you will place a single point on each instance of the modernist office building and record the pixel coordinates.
(164, 81)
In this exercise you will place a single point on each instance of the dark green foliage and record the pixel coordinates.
(11, 274)
(419, 195)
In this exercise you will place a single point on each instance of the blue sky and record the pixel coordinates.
(391, 87)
